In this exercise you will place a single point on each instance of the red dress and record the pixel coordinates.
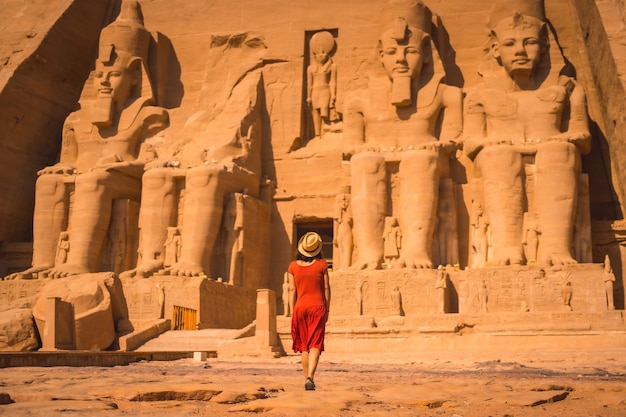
(308, 322)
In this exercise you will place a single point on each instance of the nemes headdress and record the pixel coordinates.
(126, 36)
(399, 15)
(506, 9)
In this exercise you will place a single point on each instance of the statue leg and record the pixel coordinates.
(49, 220)
(369, 204)
(90, 218)
(345, 246)
(206, 187)
(317, 122)
(558, 165)
(157, 213)
(501, 168)
(419, 193)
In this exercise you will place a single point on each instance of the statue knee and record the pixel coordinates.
(368, 163)
(91, 181)
(49, 185)
(556, 153)
(499, 162)
(155, 179)
(202, 176)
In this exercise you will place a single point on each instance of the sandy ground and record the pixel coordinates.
(567, 383)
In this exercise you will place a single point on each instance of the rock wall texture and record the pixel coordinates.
(48, 50)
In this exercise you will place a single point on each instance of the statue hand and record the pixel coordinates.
(578, 138)
(472, 145)
(60, 168)
(349, 151)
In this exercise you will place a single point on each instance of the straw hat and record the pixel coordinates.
(310, 244)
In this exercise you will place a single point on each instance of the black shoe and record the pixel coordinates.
(309, 385)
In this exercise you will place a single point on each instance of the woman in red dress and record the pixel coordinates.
(309, 298)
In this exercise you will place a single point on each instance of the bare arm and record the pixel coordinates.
(474, 125)
(578, 129)
(453, 114)
(333, 84)
(327, 292)
(292, 292)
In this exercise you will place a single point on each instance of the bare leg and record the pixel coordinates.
(202, 215)
(314, 358)
(305, 363)
(49, 220)
(369, 204)
(501, 167)
(95, 192)
(157, 213)
(555, 195)
(419, 192)
(317, 122)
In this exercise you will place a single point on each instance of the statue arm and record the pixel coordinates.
(354, 128)
(474, 128)
(154, 120)
(578, 129)
(69, 151)
(309, 84)
(333, 85)
(452, 125)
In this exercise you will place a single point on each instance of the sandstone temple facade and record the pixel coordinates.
(161, 159)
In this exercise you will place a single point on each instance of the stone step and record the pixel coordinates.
(189, 340)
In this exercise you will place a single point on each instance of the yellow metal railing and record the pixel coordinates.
(184, 318)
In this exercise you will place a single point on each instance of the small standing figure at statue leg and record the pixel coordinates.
(609, 279)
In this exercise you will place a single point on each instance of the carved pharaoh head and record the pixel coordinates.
(404, 45)
(519, 35)
(123, 51)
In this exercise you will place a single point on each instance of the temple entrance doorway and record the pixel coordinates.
(323, 227)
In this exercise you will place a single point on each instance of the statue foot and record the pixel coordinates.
(507, 257)
(30, 273)
(359, 266)
(559, 259)
(417, 263)
(186, 269)
(145, 270)
(66, 270)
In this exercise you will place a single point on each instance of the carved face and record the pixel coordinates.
(519, 47)
(116, 81)
(405, 57)
(321, 57)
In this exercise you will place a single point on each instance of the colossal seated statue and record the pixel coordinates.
(394, 120)
(216, 154)
(103, 152)
(525, 127)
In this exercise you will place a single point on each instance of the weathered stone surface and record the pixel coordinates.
(17, 330)
(242, 126)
